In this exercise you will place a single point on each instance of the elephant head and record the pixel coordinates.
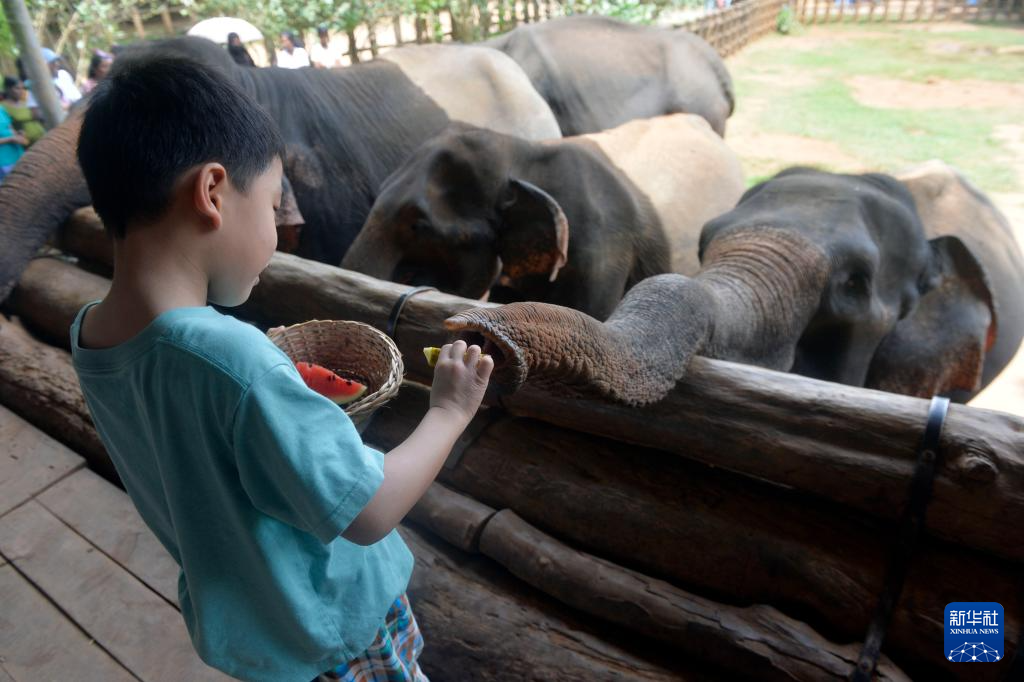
(826, 275)
(456, 217)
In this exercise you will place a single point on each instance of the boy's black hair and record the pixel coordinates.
(154, 117)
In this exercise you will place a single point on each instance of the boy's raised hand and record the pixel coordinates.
(460, 379)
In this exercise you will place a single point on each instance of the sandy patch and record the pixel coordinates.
(939, 27)
(794, 80)
(817, 39)
(893, 93)
(794, 150)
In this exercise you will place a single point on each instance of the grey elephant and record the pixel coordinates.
(575, 222)
(597, 73)
(911, 287)
(345, 131)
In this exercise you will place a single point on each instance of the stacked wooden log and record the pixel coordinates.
(723, 523)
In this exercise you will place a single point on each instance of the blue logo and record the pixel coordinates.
(974, 632)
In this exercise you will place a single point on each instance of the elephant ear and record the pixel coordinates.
(289, 219)
(940, 348)
(533, 238)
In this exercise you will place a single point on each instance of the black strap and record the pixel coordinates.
(396, 310)
(928, 461)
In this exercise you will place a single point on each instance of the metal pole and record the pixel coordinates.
(43, 88)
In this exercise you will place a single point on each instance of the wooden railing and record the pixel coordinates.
(877, 11)
(727, 29)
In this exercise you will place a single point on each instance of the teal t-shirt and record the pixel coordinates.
(9, 153)
(247, 477)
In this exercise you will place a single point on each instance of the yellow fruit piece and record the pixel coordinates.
(432, 353)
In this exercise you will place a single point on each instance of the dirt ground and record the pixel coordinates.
(764, 152)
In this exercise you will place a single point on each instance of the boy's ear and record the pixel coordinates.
(208, 192)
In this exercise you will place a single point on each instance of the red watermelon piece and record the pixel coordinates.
(330, 385)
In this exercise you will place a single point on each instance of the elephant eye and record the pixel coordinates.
(856, 283)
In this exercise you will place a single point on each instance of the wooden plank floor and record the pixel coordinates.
(87, 591)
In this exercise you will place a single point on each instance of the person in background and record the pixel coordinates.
(15, 102)
(291, 55)
(99, 65)
(323, 55)
(69, 94)
(12, 144)
(238, 52)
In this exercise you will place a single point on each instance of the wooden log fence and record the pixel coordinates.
(728, 30)
(738, 639)
(907, 11)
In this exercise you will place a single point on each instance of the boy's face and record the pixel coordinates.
(249, 237)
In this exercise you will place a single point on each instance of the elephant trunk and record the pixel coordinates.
(634, 357)
(39, 194)
(749, 304)
(766, 284)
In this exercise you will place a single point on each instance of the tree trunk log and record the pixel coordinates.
(49, 295)
(482, 625)
(738, 639)
(38, 383)
(848, 445)
(735, 539)
(455, 518)
(396, 24)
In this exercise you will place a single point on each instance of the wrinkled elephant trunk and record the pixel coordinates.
(766, 284)
(42, 191)
(635, 357)
(749, 304)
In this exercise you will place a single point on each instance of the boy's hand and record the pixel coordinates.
(460, 379)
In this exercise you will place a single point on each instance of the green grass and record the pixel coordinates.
(816, 103)
(903, 53)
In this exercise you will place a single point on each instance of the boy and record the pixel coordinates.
(247, 477)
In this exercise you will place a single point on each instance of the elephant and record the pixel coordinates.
(492, 90)
(911, 287)
(597, 73)
(345, 130)
(575, 222)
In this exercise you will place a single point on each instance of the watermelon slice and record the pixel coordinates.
(328, 384)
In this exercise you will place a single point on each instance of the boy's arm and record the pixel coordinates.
(409, 469)
(460, 379)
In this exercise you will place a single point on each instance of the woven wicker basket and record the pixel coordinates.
(353, 350)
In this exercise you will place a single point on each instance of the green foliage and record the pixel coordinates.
(784, 22)
(6, 39)
(636, 11)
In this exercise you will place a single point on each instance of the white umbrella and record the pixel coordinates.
(218, 28)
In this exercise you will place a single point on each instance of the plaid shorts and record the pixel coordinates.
(392, 656)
